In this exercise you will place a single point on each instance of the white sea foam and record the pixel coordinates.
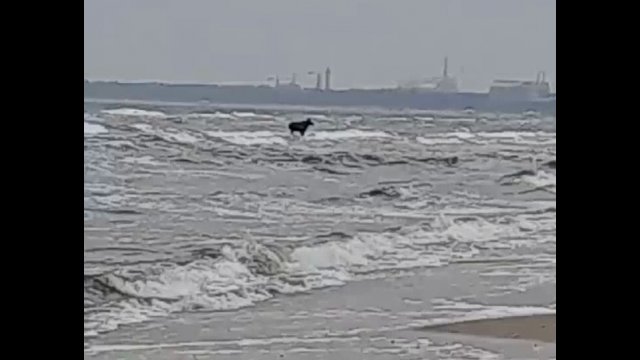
(133, 112)
(461, 135)
(541, 180)
(92, 118)
(250, 272)
(395, 119)
(319, 118)
(346, 134)
(214, 116)
(438, 140)
(140, 160)
(514, 137)
(511, 134)
(169, 134)
(461, 120)
(252, 115)
(248, 137)
(379, 251)
(240, 278)
(244, 275)
(94, 129)
(425, 118)
(456, 312)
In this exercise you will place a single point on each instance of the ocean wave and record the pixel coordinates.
(231, 277)
(320, 118)
(92, 118)
(185, 190)
(169, 134)
(252, 115)
(94, 129)
(438, 141)
(133, 112)
(210, 116)
(538, 180)
(338, 135)
(249, 137)
(541, 180)
(238, 277)
(387, 192)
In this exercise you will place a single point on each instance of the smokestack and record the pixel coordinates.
(318, 81)
(445, 73)
(327, 79)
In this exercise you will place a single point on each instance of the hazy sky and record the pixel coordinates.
(365, 42)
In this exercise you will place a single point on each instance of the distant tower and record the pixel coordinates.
(277, 81)
(447, 84)
(541, 77)
(318, 81)
(327, 79)
(293, 79)
(445, 73)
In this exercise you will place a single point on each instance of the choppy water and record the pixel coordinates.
(191, 211)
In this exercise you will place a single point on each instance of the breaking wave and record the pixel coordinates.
(235, 276)
(93, 129)
(133, 112)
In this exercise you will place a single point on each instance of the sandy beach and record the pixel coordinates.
(536, 327)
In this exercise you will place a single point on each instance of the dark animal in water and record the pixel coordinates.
(300, 126)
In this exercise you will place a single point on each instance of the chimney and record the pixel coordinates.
(445, 73)
(327, 79)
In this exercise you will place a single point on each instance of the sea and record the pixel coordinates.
(214, 233)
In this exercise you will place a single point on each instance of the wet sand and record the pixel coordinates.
(537, 327)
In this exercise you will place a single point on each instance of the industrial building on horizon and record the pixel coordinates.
(516, 89)
(437, 93)
(441, 84)
(500, 90)
(292, 84)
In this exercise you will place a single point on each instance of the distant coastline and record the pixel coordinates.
(297, 96)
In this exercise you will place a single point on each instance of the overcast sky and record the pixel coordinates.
(365, 42)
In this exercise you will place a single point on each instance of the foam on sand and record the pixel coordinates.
(516, 322)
